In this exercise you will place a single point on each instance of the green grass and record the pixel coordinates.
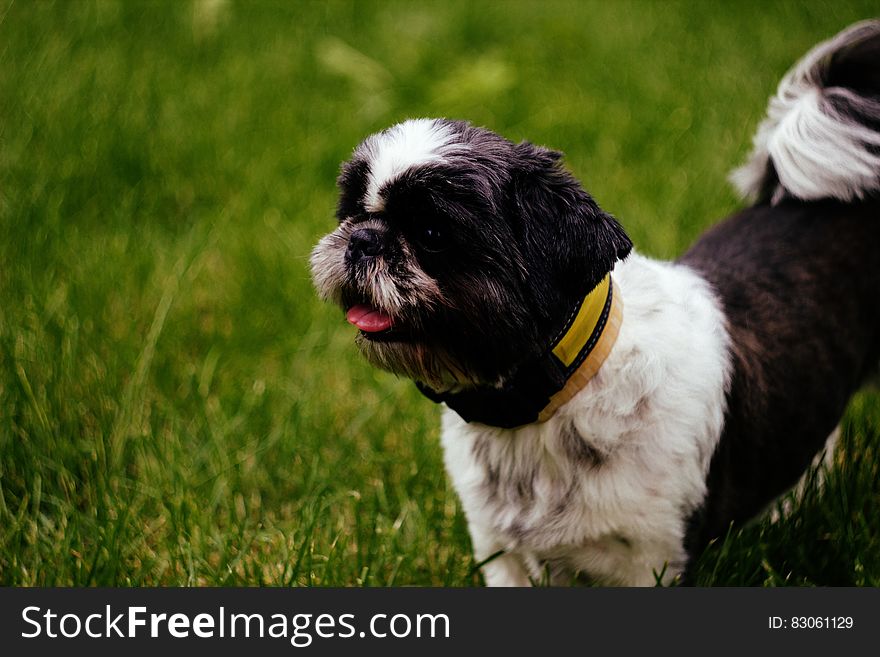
(177, 408)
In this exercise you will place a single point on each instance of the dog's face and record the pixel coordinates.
(458, 252)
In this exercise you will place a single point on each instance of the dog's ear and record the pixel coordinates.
(560, 224)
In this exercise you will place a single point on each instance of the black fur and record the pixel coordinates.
(800, 287)
(352, 183)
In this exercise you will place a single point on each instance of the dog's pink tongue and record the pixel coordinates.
(368, 319)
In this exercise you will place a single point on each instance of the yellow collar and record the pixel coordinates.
(586, 344)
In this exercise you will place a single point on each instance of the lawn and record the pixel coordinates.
(177, 407)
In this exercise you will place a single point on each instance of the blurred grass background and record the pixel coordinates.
(177, 408)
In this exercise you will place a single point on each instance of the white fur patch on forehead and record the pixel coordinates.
(399, 148)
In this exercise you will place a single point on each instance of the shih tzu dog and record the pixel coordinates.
(606, 415)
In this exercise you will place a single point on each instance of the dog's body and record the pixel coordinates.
(463, 258)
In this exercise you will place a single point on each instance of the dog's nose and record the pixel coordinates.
(364, 242)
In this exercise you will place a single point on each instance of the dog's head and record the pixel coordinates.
(458, 253)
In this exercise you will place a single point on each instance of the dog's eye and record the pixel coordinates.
(432, 238)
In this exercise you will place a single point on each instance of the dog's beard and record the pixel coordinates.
(416, 360)
(400, 289)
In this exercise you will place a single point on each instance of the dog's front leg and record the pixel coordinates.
(500, 568)
(505, 570)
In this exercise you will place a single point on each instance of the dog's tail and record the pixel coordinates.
(821, 137)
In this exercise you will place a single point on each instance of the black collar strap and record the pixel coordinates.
(541, 386)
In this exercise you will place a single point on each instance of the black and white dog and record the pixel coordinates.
(608, 414)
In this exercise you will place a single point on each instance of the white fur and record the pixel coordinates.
(653, 414)
(816, 151)
(392, 152)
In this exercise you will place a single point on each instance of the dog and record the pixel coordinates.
(606, 415)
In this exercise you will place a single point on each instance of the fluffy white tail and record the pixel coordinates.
(821, 137)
